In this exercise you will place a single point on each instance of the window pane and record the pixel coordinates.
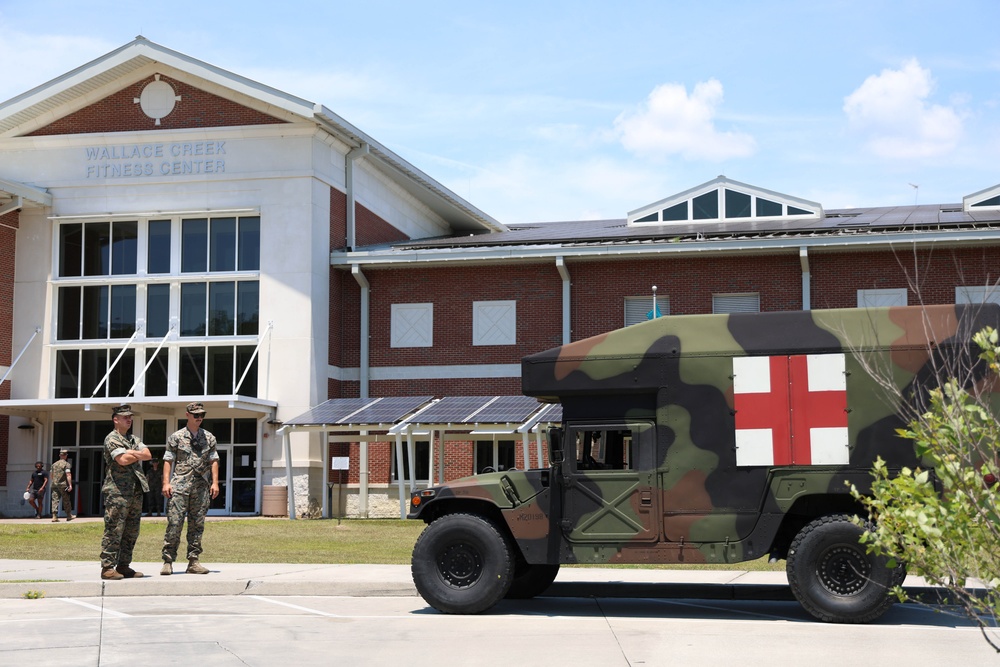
(223, 244)
(221, 309)
(124, 248)
(244, 431)
(154, 431)
(70, 249)
(222, 429)
(95, 311)
(64, 434)
(96, 249)
(67, 373)
(157, 310)
(505, 455)
(194, 245)
(191, 375)
(220, 370)
(158, 257)
(766, 207)
(247, 307)
(122, 375)
(484, 456)
(93, 366)
(249, 244)
(243, 495)
(792, 210)
(706, 207)
(122, 311)
(243, 355)
(676, 212)
(93, 432)
(69, 314)
(193, 309)
(737, 204)
(156, 377)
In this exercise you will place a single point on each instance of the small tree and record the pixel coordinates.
(943, 521)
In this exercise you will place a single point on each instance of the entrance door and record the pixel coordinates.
(609, 493)
(88, 478)
(221, 502)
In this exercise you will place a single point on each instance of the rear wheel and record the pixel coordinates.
(531, 580)
(462, 564)
(834, 578)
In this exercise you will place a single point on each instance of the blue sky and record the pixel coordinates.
(537, 111)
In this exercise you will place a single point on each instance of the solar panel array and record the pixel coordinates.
(452, 410)
(507, 409)
(362, 411)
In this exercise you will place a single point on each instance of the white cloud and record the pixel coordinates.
(672, 123)
(891, 109)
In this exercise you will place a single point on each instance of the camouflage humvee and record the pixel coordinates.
(705, 439)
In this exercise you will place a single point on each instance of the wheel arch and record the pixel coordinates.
(807, 509)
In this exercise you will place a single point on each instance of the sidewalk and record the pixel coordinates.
(82, 579)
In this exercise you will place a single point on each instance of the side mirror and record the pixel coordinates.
(555, 437)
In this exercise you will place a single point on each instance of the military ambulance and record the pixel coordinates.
(705, 439)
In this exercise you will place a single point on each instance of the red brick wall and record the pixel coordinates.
(930, 275)
(120, 113)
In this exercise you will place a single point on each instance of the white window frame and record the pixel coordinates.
(748, 302)
(638, 308)
(968, 294)
(494, 322)
(882, 298)
(412, 325)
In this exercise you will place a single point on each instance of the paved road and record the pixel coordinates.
(259, 630)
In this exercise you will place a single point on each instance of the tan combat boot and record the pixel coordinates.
(194, 567)
(167, 568)
(111, 573)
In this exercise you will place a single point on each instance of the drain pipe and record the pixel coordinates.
(564, 274)
(806, 279)
(364, 333)
(355, 154)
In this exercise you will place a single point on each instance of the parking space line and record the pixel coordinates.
(295, 606)
(106, 612)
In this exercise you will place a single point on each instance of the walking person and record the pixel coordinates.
(36, 488)
(193, 459)
(61, 476)
(124, 486)
(154, 499)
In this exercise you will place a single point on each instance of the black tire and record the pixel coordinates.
(531, 580)
(834, 578)
(462, 564)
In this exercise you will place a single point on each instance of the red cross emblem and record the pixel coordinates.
(791, 410)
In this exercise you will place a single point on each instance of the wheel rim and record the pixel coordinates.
(460, 565)
(844, 570)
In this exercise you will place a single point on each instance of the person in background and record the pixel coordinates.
(154, 499)
(124, 486)
(36, 488)
(61, 476)
(191, 454)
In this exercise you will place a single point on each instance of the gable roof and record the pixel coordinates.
(88, 82)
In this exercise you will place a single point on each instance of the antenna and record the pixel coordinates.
(916, 191)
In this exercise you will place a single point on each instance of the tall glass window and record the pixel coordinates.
(222, 245)
(194, 245)
(249, 244)
(157, 310)
(158, 255)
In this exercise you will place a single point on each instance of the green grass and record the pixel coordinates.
(377, 541)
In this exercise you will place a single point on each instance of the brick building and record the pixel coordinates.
(170, 231)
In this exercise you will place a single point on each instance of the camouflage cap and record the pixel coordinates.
(124, 410)
(195, 408)
(63, 451)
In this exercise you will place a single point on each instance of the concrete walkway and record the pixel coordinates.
(20, 578)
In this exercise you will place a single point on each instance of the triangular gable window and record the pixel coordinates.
(724, 200)
(984, 199)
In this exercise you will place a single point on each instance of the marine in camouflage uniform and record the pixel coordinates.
(61, 478)
(124, 486)
(193, 459)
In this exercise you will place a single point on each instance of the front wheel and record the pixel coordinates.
(462, 564)
(834, 578)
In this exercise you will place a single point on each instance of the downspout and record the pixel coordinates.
(349, 159)
(806, 289)
(564, 274)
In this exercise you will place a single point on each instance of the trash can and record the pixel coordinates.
(274, 501)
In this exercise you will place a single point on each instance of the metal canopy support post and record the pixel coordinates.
(286, 442)
(117, 359)
(399, 475)
(18, 357)
(326, 475)
(260, 341)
